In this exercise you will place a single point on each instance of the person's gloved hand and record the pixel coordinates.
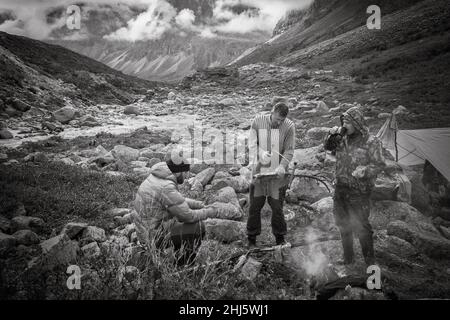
(335, 130)
(360, 172)
(280, 171)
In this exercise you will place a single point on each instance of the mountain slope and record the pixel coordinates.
(47, 76)
(406, 63)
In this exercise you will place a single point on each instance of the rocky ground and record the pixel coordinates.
(68, 179)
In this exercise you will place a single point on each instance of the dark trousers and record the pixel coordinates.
(351, 213)
(187, 236)
(278, 222)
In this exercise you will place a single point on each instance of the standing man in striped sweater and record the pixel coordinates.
(271, 146)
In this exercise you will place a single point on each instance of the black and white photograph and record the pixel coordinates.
(240, 152)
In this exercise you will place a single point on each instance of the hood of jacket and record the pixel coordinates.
(162, 171)
(356, 117)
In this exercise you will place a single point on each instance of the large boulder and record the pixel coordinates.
(383, 212)
(422, 237)
(91, 250)
(59, 250)
(239, 184)
(125, 154)
(65, 114)
(225, 230)
(306, 189)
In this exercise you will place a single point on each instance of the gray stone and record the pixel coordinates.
(5, 224)
(131, 109)
(123, 220)
(318, 134)
(429, 243)
(226, 195)
(251, 269)
(205, 176)
(225, 230)
(65, 114)
(306, 189)
(125, 154)
(7, 242)
(59, 250)
(92, 233)
(5, 134)
(73, 229)
(118, 212)
(37, 157)
(383, 212)
(26, 237)
(239, 184)
(228, 211)
(91, 250)
(27, 223)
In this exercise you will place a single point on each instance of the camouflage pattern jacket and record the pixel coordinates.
(359, 157)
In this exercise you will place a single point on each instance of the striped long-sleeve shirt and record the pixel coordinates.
(279, 142)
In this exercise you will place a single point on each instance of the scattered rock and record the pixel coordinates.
(59, 250)
(251, 269)
(125, 154)
(429, 243)
(400, 110)
(318, 133)
(92, 233)
(132, 109)
(7, 242)
(225, 230)
(118, 212)
(171, 96)
(123, 220)
(5, 134)
(65, 115)
(227, 102)
(322, 108)
(20, 105)
(205, 176)
(238, 183)
(36, 157)
(130, 279)
(5, 224)
(226, 195)
(27, 223)
(88, 121)
(325, 219)
(26, 237)
(91, 250)
(306, 189)
(74, 229)
(383, 212)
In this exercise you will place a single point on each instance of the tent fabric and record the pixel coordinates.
(416, 146)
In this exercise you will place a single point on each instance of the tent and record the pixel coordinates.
(413, 147)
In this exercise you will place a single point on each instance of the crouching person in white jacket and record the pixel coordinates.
(163, 216)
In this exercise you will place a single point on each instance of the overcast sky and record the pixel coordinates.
(30, 18)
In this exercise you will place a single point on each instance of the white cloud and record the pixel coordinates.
(149, 25)
(159, 17)
(185, 19)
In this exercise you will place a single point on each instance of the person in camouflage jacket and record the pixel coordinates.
(359, 159)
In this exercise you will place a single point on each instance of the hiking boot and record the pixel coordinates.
(251, 243)
(280, 240)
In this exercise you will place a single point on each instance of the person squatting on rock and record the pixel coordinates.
(164, 216)
(271, 146)
(359, 159)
